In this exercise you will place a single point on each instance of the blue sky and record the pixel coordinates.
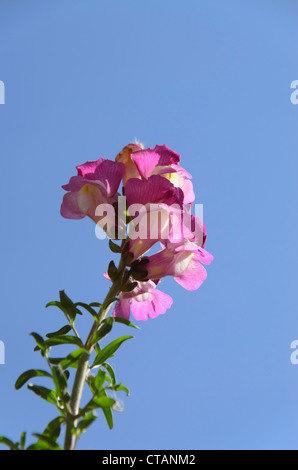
(210, 79)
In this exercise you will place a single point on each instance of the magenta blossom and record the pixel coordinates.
(183, 261)
(167, 224)
(154, 190)
(144, 302)
(124, 157)
(96, 183)
(165, 162)
(143, 163)
(159, 196)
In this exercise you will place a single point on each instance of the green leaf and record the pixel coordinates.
(39, 341)
(103, 330)
(64, 340)
(111, 372)
(139, 274)
(68, 306)
(72, 359)
(112, 271)
(50, 443)
(99, 380)
(89, 309)
(109, 416)
(23, 440)
(52, 432)
(7, 442)
(109, 302)
(45, 393)
(101, 402)
(53, 429)
(128, 258)
(54, 303)
(95, 304)
(129, 287)
(86, 422)
(29, 374)
(122, 388)
(125, 322)
(61, 383)
(114, 247)
(109, 350)
(63, 331)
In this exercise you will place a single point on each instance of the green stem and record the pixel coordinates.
(83, 368)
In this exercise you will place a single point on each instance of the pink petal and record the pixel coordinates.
(145, 161)
(106, 171)
(167, 155)
(204, 256)
(122, 309)
(75, 183)
(88, 169)
(187, 188)
(124, 157)
(154, 190)
(110, 173)
(193, 277)
(148, 159)
(156, 304)
(69, 208)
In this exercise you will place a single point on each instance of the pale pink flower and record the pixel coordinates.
(144, 302)
(96, 183)
(183, 261)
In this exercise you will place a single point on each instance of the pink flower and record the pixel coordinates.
(160, 222)
(96, 183)
(165, 162)
(153, 190)
(183, 261)
(124, 157)
(159, 195)
(144, 302)
(143, 163)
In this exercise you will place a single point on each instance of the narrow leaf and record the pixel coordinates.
(112, 271)
(101, 402)
(48, 441)
(45, 393)
(29, 374)
(122, 388)
(60, 382)
(23, 440)
(87, 421)
(109, 350)
(63, 331)
(111, 372)
(89, 309)
(72, 359)
(129, 287)
(114, 247)
(109, 302)
(39, 340)
(99, 380)
(103, 330)
(64, 340)
(125, 322)
(96, 304)
(53, 429)
(68, 305)
(7, 442)
(109, 416)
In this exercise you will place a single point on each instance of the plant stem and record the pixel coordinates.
(83, 367)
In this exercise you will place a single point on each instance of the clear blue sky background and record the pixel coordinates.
(211, 79)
